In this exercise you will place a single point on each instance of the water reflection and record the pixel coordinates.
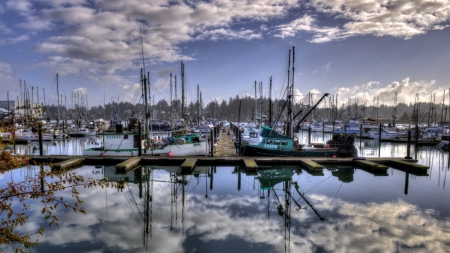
(224, 209)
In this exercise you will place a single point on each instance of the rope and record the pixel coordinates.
(333, 200)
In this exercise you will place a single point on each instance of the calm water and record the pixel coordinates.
(280, 209)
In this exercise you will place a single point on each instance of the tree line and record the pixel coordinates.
(243, 109)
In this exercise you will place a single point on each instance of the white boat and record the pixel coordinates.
(127, 144)
(34, 137)
(81, 132)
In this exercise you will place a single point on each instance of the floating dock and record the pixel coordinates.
(225, 156)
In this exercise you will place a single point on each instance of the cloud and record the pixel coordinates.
(109, 31)
(221, 33)
(8, 80)
(4, 28)
(405, 89)
(115, 219)
(13, 40)
(131, 92)
(22, 6)
(402, 19)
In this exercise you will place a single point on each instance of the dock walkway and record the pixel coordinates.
(225, 155)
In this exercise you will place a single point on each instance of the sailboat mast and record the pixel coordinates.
(198, 105)
(57, 94)
(170, 90)
(291, 130)
(182, 90)
(176, 98)
(144, 84)
(256, 106)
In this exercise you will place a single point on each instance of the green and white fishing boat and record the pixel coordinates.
(272, 143)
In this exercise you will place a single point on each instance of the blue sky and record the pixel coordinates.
(357, 49)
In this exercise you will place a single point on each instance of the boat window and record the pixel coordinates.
(263, 140)
(284, 143)
(276, 142)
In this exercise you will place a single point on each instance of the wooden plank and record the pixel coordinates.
(371, 166)
(127, 165)
(188, 165)
(250, 164)
(311, 165)
(68, 164)
(408, 166)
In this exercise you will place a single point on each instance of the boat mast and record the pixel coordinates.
(260, 103)
(176, 99)
(256, 106)
(198, 105)
(182, 90)
(286, 131)
(57, 94)
(171, 92)
(442, 110)
(144, 84)
(291, 102)
(270, 102)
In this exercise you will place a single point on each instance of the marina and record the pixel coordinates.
(159, 206)
(224, 126)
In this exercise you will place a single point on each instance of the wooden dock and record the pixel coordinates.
(225, 155)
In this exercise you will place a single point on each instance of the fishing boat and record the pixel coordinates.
(272, 143)
(81, 131)
(128, 143)
(34, 137)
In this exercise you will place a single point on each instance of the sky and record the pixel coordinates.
(359, 50)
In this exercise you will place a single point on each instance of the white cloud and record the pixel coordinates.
(13, 40)
(406, 92)
(402, 19)
(108, 31)
(131, 92)
(8, 80)
(349, 227)
(222, 33)
(4, 28)
(23, 6)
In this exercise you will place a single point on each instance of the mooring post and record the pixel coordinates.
(408, 147)
(211, 178)
(323, 132)
(309, 135)
(239, 142)
(211, 136)
(379, 140)
(41, 149)
(215, 134)
(406, 182)
(139, 139)
(360, 136)
(239, 179)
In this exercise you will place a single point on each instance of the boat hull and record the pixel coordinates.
(188, 149)
(318, 152)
